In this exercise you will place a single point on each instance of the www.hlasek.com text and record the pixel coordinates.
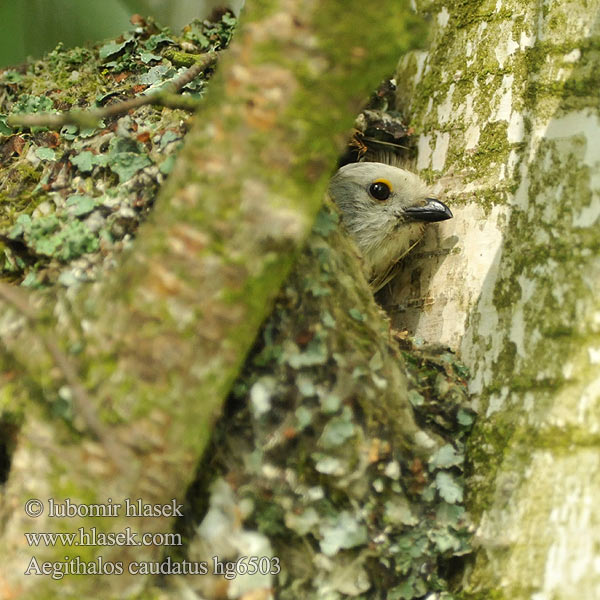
(93, 537)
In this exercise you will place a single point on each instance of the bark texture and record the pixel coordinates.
(505, 103)
(339, 457)
(142, 361)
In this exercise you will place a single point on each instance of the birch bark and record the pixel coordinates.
(505, 102)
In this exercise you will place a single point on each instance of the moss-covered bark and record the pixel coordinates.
(506, 106)
(116, 387)
(320, 464)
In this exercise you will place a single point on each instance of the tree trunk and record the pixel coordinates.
(506, 106)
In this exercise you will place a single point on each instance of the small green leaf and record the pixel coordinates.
(449, 514)
(450, 490)
(404, 591)
(328, 465)
(316, 289)
(85, 161)
(47, 246)
(44, 225)
(168, 137)
(331, 404)
(344, 531)
(336, 432)
(11, 77)
(465, 417)
(28, 103)
(446, 457)
(22, 226)
(156, 74)
(31, 280)
(202, 40)
(306, 386)
(69, 132)
(415, 398)
(127, 164)
(357, 315)
(444, 540)
(77, 239)
(112, 48)
(167, 165)
(147, 57)
(314, 354)
(302, 523)
(68, 279)
(229, 20)
(4, 128)
(87, 132)
(154, 41)
(80, 205)
(303, 416)
(327, 319)
(398, 512)
(413, 587)
(326, 222)
(44, 153)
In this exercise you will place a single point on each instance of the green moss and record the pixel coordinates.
(27, 173)
(467, 14)
(183, 59)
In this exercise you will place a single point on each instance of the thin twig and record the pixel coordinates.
(376, 141)
(90, 118)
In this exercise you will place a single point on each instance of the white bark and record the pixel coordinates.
(505, 104)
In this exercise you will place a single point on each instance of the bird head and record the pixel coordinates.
(384, 209)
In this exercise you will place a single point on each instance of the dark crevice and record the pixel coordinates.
(8, 434)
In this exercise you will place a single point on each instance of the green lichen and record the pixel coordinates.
(313, 399)
(47, 170)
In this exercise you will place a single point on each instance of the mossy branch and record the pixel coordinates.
(167, 97)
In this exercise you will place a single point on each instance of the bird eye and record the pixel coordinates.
(380, 190)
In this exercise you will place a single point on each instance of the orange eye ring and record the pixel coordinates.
(380, 189)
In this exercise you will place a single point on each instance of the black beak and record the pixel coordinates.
(432, 210)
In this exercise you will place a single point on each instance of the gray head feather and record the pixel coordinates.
(382, 228)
